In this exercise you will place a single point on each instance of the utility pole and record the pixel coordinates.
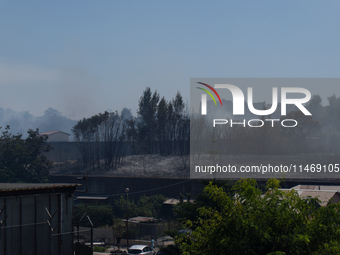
(91, 232)
(127, 219)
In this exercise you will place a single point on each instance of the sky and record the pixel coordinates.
(85, 57)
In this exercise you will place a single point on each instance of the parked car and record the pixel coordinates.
(141, 250)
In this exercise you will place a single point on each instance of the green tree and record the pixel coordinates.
(148, 206)
(277, 222)
(100, 215)
(23, 160)
(189, 210)
(120, 208)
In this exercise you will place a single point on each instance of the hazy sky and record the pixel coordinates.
(85, 57)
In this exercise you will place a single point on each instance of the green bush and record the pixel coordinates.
(100, 215)
(98, 249)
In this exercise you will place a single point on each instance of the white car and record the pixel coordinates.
(141, 250)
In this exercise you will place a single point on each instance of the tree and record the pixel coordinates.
(147, 110)
(161, 127)
(177, 115)
(84, 134)
(100, 215)
(314, 106)
(132, 134)
(277, 222)
(148, 206)
(24, 160)
(331, 117)
(306, 127)
(111, 132)
(100, 137)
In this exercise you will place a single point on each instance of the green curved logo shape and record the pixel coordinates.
(208, 93)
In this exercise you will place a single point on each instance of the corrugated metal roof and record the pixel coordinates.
(9, 187)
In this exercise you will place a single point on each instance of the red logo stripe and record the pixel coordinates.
(212, 90)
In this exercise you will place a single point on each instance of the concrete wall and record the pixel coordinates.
(63, 151)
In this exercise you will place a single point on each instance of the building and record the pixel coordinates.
(57, 136)
(36, 218)
(326, 194)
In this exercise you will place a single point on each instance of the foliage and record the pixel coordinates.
(100, 215)
(161, 127)
(278, 222)
(171, 250)
(148, 206)
(23, 160)
(98, 249)
(187, 210)
(120, 207)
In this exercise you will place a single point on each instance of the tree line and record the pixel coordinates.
(161, 127)
(316, 133)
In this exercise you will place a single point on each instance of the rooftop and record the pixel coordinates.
(25, 188)
(142, 219)
(326, 194)
(53, 132)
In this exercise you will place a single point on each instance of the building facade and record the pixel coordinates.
(36, 218)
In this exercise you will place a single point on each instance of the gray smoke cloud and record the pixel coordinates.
(20, 122)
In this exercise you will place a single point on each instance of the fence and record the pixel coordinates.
(35, 238)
